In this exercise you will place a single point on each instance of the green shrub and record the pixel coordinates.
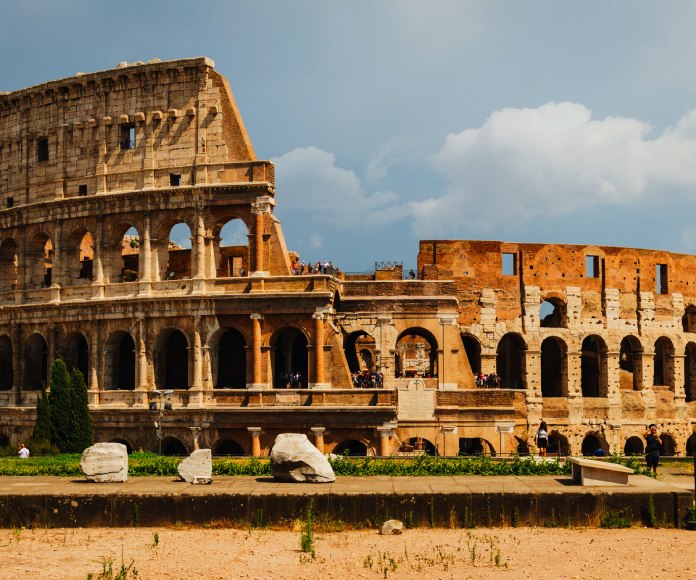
(616, 519)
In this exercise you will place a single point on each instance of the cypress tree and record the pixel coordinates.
(42, 426)
(62, 412)
(84, 433)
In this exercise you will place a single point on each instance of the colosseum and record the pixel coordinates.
(465, 356)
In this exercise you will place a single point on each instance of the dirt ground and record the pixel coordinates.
(230, 553)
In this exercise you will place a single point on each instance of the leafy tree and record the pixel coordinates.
(62, 413)
(42, 426)
(84, 432)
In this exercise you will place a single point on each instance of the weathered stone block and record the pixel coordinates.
(197, 465)
(294, 458)
(105, 463)
(392, 528)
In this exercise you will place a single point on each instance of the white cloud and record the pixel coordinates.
(552, 161)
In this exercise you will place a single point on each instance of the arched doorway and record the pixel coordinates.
(39, 261)
(594, 444)
(633, 446)
(36, 363)
(231, 245)
(231, 360)
(690, 372)
(129, 447)
(416, 354)
(359, 348)
(552, 314)
(229, 447)
(510, 361)
(630, 363)
(472, 347)
(669, 445)
(76, 353)
(120, 361)
(691, 445)
(171, 446)
(554, 369)
(421, 444)
(77, 258)
(172, 361)
(290, 358)
(351, 448)
(689, 319)
(8, 265)
(476, 446)
(663, 364)
(4, 440)
(174, 252)
(593, 367)
(6, 364)
(558, 444)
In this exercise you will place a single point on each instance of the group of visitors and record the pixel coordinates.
(490, 380)
(300, 268)
(368, 379)
(292, 380)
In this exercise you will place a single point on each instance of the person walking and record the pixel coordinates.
(541, 439)
(652, 447)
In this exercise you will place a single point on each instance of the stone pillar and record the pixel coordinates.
(385, 435)
(196, 395)
(141, 354)
(446, 367)
(56, 264)
(53, 345)
(98, 267)
(319, 438)
(255, 433)
(101, 169)
(18, 362)
(503, 429)
(198, 254)
(145, 259)
(258, 241)
(319, 379)
(95, 349)
(256, 367)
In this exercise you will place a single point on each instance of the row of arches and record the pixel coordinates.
(37, 264)
(594, 364)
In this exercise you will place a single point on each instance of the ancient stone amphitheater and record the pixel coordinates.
(138, 243)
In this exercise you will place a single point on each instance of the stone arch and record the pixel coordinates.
(689, 319)
(631, 363)
(174, 255)
(691, 445)
(119, 371)
(416, 353)
(228, 447)
(173, 446)
(172, 360)
(230, 359)
(663, 365)
(35, 363)
(592, 442)
(422, 444)
(8, 264)
(690, 372)
(351, 447)
(75, 353)
(522, 446)
(553, 313)
(593, 366)
(39, 260)
(77, 257)
(122, 441)
(634, 446)
(4, 440)
(230, 236)
(476, 446)
(554, 367)
(510, 363)
(122, 254)
(472, 348)
(360, 350)
(669, 445)
(558, 444)
(290, 356)
(6, 364)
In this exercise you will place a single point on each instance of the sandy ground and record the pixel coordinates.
(229, 553)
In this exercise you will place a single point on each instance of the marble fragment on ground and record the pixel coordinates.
(105, 463)
(295, 459)
(197, 467)
(392, 528)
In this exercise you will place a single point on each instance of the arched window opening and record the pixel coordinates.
(510, 361)
(419, 445)
(172, 361)
(351, 448)
(359, 348)
(690, 372)
(172, 447)
(76, 353)
(593, 367)
(594, 445)
(228, 447)
(122, 255)
(691, 445)
(476, 446)
(78, 257)
(689, 319)
(630, 364)
(633, 446)
(552, 314)
(231, 361)
(554, 370)
(558, 444)
(40, 261)
(472, 348)
(176, 261)
(290, 360)
(120, 362)
(231, 246)
(663, 364)
(669, 446)
(8, 265)
(36, 363)
(416, 354)
(129, 447)
(6, 364)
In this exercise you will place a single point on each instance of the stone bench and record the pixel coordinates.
(591, 472)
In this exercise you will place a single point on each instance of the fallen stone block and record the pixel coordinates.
(295, 459)
(198, 480)
(105, 463)
(392, 528)
(198, 464)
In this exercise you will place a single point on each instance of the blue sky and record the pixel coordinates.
(390, 122)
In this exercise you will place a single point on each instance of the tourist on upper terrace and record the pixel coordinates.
(368, 380)
(652, 447)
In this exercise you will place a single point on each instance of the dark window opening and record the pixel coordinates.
(42, 149)
(128, 136)
(10, 202)
(592, 266)
(661, 279)
(509, 264)
(174, 180)
(82, 190)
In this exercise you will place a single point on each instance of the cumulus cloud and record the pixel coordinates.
(553, 161)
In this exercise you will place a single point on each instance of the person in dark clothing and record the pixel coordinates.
(652, 447)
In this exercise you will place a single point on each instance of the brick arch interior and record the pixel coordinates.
(75, 353)
(228, 447)
(510, 361)
(689, 319)
(172, 446)
(630, 363)
(351, 448)
(690, 372)
(663, 363)
(122, 254)
(230, 247)
(554, 367)
(553, 313)
(39, 260)
(174, 256)
(8, 264)
(472, 348)
(359, 348)
(230, 360)
(634, 446)
(35, 363)
(290, 357)
(593, 367)
(119, 362)
(6, 364)
(172, 360)
(592, 443)
(416, 352)
(77, 258)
